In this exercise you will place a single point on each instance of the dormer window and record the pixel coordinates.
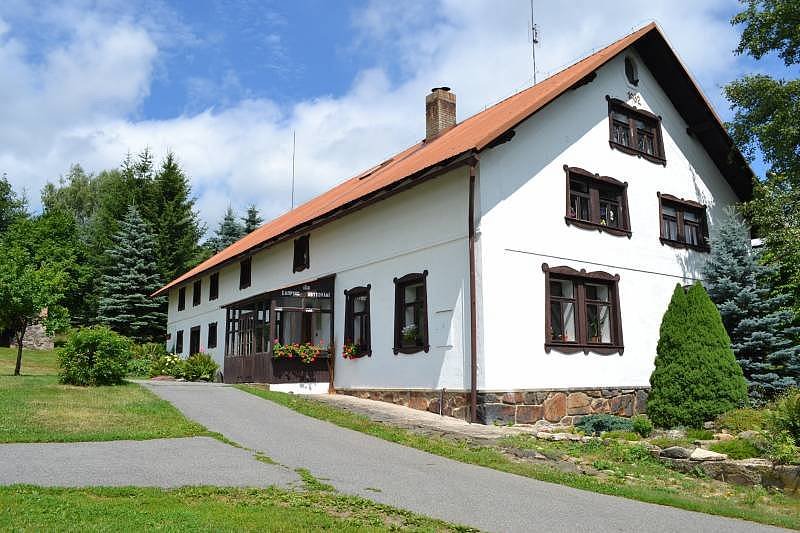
(301, 256)
(635, 131)
(597, 202)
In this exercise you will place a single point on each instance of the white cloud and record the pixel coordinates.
(79, 102)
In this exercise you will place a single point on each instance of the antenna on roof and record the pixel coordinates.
(294, 147)
(534, 42)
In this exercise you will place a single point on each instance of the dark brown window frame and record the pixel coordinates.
(614, 104)
(197, 293)
(211, 340)
(581, 343)
(182, 298)
(681, 206)
(213, 286)
(350, 315)
(245, 273)
(595, 182)
(302, 255)
(179, 341)
(399, 311)
(192, 331)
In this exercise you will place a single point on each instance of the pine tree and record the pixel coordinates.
(757, 318)
(228, 232)
(252, 220)
(131, 277)
(696, 375)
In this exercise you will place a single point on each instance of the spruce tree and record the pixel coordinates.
(758, 320)
(696, 375)
(131, 277)
(228, 232)
(252, 220)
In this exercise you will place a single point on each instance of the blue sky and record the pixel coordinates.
(224, 83)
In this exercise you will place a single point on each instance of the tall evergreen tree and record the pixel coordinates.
(757, 319)
(252, 220)
(696, 375)
(228, 232)
(130, 278)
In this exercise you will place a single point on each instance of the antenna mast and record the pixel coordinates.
(294, 148)
(534, 42)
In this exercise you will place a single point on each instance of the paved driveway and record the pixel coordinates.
(428, 484)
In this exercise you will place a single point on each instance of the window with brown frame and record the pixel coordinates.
(597, 202)
(635, 131)
(194, 340)
(683, 223)
(411, 313)
(582, 311)
(197, 291)
(245, 271)
(213, 286)
(301, 256)
(179, 342)
(181, 298)
(356, 321)
(212, 335)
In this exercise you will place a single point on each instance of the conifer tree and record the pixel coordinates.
(252, 220)
(758, 319)
(132, 275)
(696, 375)
(228, 232)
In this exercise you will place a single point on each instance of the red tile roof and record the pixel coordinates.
(472, 135)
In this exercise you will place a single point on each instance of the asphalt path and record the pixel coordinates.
(404, 477)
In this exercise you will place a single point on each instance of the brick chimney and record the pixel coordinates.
(440, 112)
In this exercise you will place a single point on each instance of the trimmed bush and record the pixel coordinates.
(167, 365)
(200, 367)
(696, 377)
(94, 356)
(597, 424)
(784, 417)
(642, 425)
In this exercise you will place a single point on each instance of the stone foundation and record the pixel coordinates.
(517, 407)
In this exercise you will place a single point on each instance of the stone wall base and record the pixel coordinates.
(517, 407)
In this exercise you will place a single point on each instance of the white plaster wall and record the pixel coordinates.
(522, 203)
(422, 228)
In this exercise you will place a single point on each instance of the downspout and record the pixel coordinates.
(473, 306)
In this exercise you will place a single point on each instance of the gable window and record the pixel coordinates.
(683, 223)
(631, 71)
(212, 335)
(597, 202)
(194, 340)
(356, 321)
(197, 290)
(635, 131)
(181, 298)
(213, 286)
(582, 311)
(179, 342)
(411, 314)
(301, 256)
(245, 270)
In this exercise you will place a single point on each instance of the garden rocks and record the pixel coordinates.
(700, 454)
(676, 452)
(723, 436)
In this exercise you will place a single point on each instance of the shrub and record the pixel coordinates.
(149, 351)
(781, 448)
(736, 449)
(94, 356)
(167, 365)
(137, 367)
(744, 419)
(597, 424)
(696, 376)
(785, 415)
(642, 425)
(694, 434)
(200, 367)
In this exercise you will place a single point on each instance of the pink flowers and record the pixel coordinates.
(307, 352)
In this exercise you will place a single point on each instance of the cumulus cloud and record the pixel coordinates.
(80, 101)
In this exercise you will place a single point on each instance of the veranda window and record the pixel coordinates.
(683, 223)
(582, 311)
(635, 131)
(597, 202)
(411, 314)
(356, 326)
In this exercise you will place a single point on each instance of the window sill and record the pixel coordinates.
(411, 349)
(633, 151)
(679, 244)
(573, 347)
(585, 224)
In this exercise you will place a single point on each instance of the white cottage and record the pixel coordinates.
(511, 267)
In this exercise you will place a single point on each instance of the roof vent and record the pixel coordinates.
(440, 112)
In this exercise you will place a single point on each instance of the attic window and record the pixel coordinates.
(301, 256)
(631, 71)
(635, 131)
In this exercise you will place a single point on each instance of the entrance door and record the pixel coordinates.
(194, 340)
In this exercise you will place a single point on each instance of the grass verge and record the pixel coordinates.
(34, 362)
(29, 508)
(628, 469)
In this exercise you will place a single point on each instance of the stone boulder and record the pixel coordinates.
(700, 454)
(555, 407)
(676, 452)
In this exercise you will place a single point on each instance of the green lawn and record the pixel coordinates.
(625, 470)
(34, 407)
(25, 508)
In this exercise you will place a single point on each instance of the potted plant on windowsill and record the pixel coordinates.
(410, 335)
(306, 352)
(595, 331)
(350, 350)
